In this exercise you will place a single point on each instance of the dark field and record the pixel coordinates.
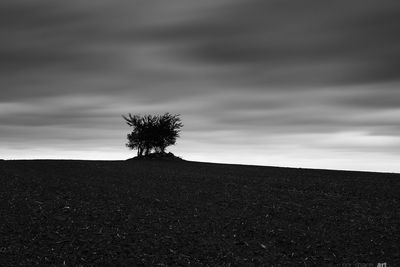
(185, 213)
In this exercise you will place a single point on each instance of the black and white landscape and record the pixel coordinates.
(309, 87)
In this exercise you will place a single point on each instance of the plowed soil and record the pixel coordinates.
(167, 213)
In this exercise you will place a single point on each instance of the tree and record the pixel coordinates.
(152, 132)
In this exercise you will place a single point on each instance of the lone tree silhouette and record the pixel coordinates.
(152, 132)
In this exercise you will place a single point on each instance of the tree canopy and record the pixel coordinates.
(152, 132)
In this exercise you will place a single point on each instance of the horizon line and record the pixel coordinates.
(207, 162)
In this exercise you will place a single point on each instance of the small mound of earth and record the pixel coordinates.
(157, 156)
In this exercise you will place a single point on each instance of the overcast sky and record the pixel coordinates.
(309, 83)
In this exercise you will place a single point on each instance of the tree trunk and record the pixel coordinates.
(140, 151)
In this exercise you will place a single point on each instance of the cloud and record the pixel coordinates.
(251, 45)
(287, 74)
(324, 42)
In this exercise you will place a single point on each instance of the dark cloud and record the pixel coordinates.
(337, 42)
(383, 96)
(42, 34)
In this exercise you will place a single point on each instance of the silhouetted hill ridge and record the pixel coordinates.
(158, 156)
